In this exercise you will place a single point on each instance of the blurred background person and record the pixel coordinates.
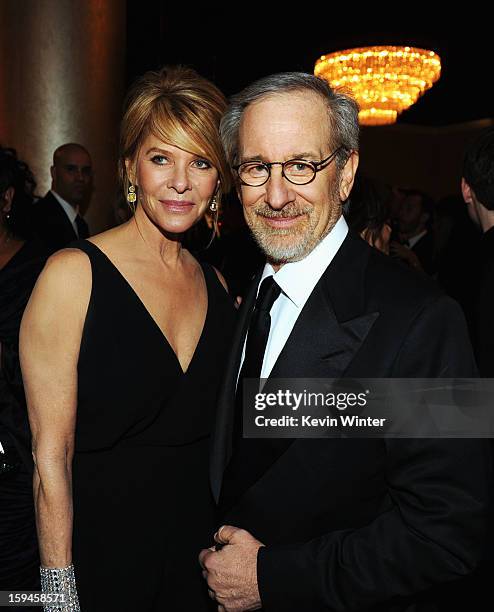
(122, 350)
(477, 185)
(457, 255)
(21, 260)
(59, 215)
(415, 217)
(368, 213)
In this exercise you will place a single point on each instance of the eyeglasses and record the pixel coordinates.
(296, 171)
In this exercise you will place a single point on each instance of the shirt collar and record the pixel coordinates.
(413, 241)
(70, 211)
(297, 279)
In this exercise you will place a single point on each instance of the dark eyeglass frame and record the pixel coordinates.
(316, 166)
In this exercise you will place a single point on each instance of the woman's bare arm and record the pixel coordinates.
(50, 336)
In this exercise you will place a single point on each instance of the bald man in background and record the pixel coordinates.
(58, 216)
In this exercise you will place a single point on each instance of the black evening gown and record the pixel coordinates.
(19, 557)
(142, 504)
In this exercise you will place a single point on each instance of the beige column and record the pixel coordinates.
(62, 65)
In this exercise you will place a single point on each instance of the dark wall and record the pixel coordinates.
(426, 158)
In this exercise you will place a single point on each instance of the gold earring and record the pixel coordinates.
(131, 195)
(213, 208)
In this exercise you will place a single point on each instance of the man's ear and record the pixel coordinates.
(8, 196)
(466, 192)
(53, 173)
(347, 175)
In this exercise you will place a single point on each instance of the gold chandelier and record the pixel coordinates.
(385, 81)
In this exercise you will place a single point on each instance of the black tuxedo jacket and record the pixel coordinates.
(424, 249)
(485, 307)
(356, 524)
(51, 224)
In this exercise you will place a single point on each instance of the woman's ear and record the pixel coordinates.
(131, 174)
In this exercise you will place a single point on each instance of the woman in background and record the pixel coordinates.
(122, 349)
(21, 261)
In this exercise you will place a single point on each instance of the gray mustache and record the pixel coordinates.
(281, 214)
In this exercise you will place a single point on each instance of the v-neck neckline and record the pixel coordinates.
(152, 319)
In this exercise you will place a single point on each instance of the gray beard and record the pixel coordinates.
(295, 250)
(277, 252)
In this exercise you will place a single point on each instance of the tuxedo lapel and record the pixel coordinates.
(222, 436)
(333, 323)
(323, 343)
(320, 346)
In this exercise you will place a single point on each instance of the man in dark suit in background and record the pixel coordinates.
(58, 217)
(477, 186)
(415, 214)
(332, 524)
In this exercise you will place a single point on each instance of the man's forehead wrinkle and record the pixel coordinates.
(277, 105)
(282, 127)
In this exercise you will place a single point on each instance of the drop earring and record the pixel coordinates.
(131, 198)
(131, 195)
(213, 208)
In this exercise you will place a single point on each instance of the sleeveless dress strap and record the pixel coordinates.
(211, 277)
(89, 248)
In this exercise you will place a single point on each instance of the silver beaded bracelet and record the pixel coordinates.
(59, 581)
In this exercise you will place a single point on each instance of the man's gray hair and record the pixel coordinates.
(342, 111)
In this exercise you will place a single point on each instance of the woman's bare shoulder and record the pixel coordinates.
(56, 310)
(65, 277)
(66, 265)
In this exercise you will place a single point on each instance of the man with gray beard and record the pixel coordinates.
(331, 524)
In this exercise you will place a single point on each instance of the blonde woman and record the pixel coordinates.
(122, 346)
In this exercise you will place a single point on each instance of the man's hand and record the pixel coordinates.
(231, 572)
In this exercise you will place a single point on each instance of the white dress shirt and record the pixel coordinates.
(69, 210)
(297, 281)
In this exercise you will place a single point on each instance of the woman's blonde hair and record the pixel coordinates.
(183, 109)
